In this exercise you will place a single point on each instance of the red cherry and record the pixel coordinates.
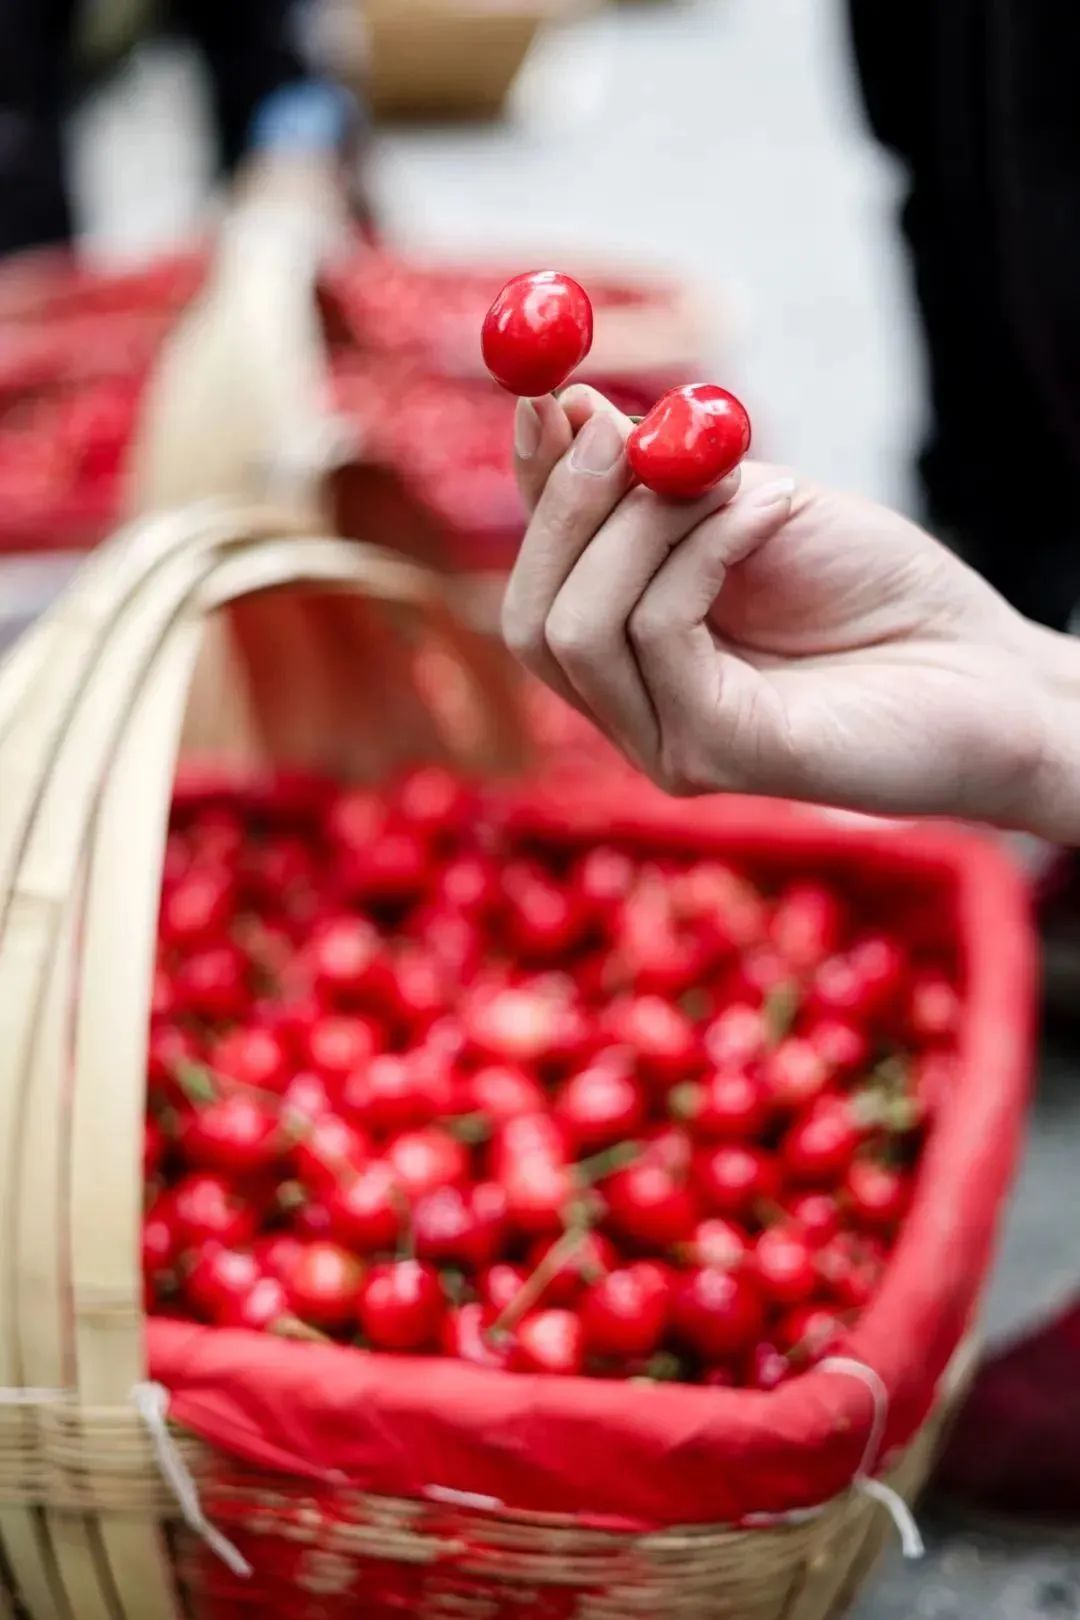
(338, 1046)
(880, 964)
(236, 1133)
(816, 1214)
(394, 868)
(170, 1051)
(543, 922)
(733, 1178)
(718, 1243)
(624, 1313)
(717, 1313)
(822, 1143)
(260, 1309)
(794, 1073)
(593, 1257)
(324, 1285)
(662, 1038)
(197, 909)
(160, 1239)
(842, 1045)
(329, 1151)
(767, 1367)
(809, 1331)
(601, 1105)
(876, 1194)
(426, 1159)
(521, 1026)
(933, 1008)
(723, 903)
(467, 1337)
(649, 1204)
(850, 1267)
(727, 1105)
(310, 1219)
(538, 330)
(418, 987)
(502, 1092)
(304, 1100)
(549, 1341)
(432, 800)
(402, 1305)
(396, 1092)
(252, 1057)
(277, 1254)
(355, 818)
(784, 1265)
(691, 439)
(452, 937)
(806, 925)
(759, 975)
(213, 983)
(538, 1190)
(207, 1209)
(469, 883)
(345, 957)
(219, 1276)
(365, 1210)
(602, 877)
(500, 1285)
(736, 1037)
(460, 1226)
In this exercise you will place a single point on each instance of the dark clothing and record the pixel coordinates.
(978, 99)
(250, 50)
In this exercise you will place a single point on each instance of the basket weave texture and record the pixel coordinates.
(360, 663)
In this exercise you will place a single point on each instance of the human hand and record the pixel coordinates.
(772, 638)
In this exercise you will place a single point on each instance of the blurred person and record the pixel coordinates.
(778, 638)
(977, 100)
(255, 57)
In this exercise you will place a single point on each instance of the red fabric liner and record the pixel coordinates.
(648, 1457)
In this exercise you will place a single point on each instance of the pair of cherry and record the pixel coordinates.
(540, 328)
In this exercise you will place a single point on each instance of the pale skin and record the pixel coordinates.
(780, 638)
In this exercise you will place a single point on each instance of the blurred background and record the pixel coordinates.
(710, 168)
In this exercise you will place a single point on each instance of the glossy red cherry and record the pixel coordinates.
(397, 1091)
(467, 1336)
(463, 1226)
(502, 1092)
(236, 1133)
(160, 1240)
(767, 1367)
(155, 1144)
(324, 1285)
(500, 1285)
(816, 1214)
(794, 1073)
(728, 1105)
(933, 1008)
(691, 439)
(850, 1267)
(625, 1313)
(253, 1057)
(214, 982)
(737, 1036)
(264, 1306)
(549, 1341)
(366, 1210)
(717, 1313)
(807, 924)
(426, 1159)
(220, 1275)
(842, 1044)
(339, 1046)
(734, 1178)
(662, 1038)
(278, 1253)
(538, 330)
(600, 1105)
(809, 1332)
(718, 1243)
(196, 910)
(876, 1194)
(330, 1150)
(822, 1143)
(401, 1306)
(783, 1264)
(649, 1204)
(208, 1209)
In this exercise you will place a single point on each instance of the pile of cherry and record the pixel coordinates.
(419, 1082)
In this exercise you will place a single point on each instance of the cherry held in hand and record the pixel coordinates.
(537, 331)
(691, 439)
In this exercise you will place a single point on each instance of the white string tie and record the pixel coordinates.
(151, 1402)
(911, 1541)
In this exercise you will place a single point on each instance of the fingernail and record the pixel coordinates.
(776, 493)
(597, 447)
(527, 430)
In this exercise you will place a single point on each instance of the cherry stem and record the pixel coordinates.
(537, 1280)
(291, 1327)
(589, 1171)
(781, 1006)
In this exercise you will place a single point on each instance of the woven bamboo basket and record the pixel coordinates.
(92, 712)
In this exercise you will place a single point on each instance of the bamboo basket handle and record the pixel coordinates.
(114, 751)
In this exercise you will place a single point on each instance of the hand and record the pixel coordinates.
(772, 638)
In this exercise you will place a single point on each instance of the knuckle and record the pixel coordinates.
(680, 771)
(569, 635)
(648, 624)
(520, 635)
